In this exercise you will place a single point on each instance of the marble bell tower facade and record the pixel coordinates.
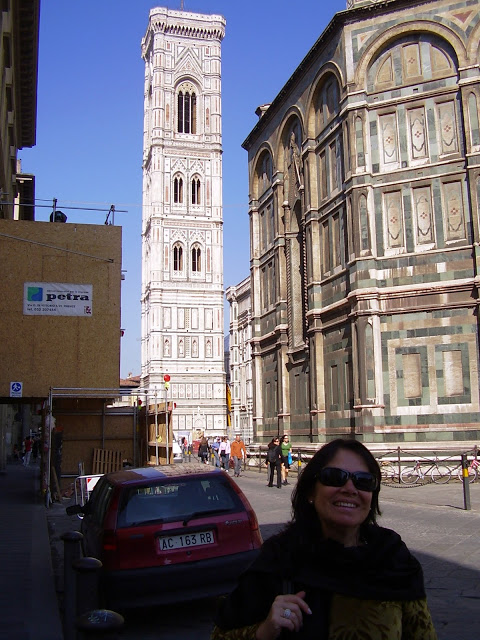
(182, 220)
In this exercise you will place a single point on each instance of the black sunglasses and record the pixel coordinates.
(333, 477)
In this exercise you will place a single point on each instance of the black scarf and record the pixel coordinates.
(381, 569)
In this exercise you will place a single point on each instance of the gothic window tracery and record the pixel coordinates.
(178, 189)
(196, 259)
(186, 108)
(196, 184)
(178, 257)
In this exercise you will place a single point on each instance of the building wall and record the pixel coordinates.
(364, 183)
(240, 360)
(59, 351)
(182, 250)
(19, 24)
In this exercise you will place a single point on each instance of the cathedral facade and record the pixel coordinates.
(182, 237)
(364, 183)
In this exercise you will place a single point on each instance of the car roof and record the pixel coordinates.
(141, 475)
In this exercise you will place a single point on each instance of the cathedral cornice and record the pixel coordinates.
(187, 25)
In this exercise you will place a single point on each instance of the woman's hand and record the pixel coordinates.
(286, 612)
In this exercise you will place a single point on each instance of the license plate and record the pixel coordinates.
(167, 543)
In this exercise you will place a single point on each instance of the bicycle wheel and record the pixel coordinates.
(441, 474)
(409, 475)
(388, 472)
(472, 474)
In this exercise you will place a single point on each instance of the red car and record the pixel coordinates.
(168, 534)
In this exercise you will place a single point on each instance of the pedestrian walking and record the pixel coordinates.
(203, 450)
(286, 447)
(238, 452)
(184, 447)
(216, 451)
(27, 447)
(225, 453)
(274, 459)
(35, 448)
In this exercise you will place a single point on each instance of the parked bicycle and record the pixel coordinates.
(435, 469)
(472, 470)
(389, 471)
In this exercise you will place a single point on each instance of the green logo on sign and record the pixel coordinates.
(35, 294)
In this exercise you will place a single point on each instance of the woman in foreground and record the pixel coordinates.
(333, 573)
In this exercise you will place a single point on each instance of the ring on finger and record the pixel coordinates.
(287, 613)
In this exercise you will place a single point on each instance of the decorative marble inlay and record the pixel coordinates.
(394, 219)
(388, 130)
(422, 208)
(418, 138)
(411, 61)
(455, 222)
(448, 128)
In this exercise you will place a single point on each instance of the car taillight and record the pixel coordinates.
(252, 519)
(109, 541)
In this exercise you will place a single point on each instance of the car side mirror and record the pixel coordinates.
(75, 509)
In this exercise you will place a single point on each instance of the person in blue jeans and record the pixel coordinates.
(238, 452)
(216, 449)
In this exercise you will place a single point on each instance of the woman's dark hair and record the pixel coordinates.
(302, 511)
(272, 443)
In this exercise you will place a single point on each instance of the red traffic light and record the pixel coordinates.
(166, 378)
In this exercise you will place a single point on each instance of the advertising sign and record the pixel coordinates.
(57, 299)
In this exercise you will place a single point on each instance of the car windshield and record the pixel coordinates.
(183, 499)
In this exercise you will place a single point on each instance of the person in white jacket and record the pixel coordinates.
(225, 453)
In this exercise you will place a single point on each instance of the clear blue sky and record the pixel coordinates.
(90, 115)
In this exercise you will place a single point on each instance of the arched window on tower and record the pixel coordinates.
(196, 259)
(178, 258)
(178, 190)
(195, 190)
(187, 109)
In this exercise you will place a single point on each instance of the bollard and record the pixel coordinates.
(72, 550)
(100, 623)
(86, 588)
(466, 483)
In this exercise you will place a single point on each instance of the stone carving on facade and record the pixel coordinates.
(293, 172)
(178, 234)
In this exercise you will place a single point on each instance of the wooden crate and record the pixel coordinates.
(106, 460)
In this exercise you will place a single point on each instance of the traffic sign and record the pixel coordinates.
(16, 389)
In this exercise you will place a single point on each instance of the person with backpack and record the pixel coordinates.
(274, 459)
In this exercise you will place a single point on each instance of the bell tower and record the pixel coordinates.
(182, 219)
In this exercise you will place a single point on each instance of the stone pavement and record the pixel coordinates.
(28, 601)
